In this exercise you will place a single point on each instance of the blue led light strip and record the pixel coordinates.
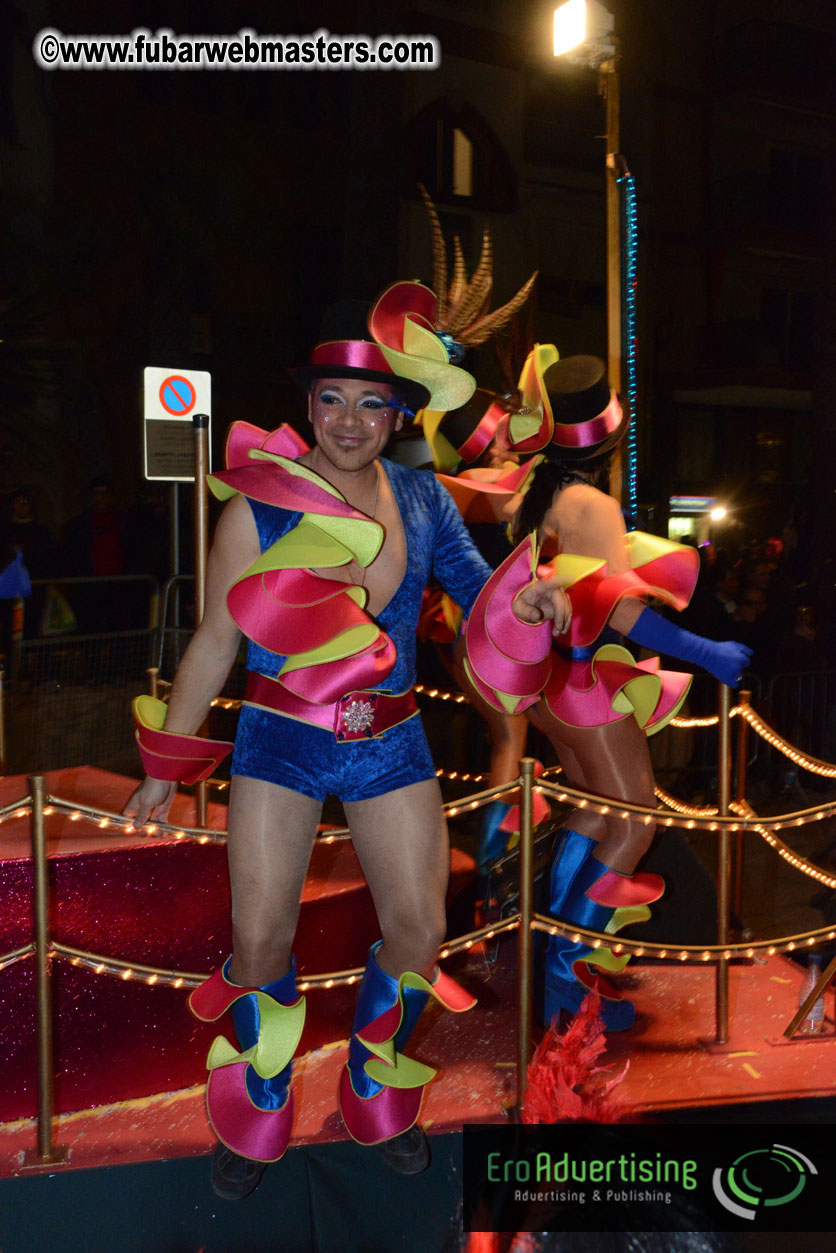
(629, 251)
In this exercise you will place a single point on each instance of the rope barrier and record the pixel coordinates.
(684, 952)
(784, 851)
(624, 809)
(118, 967)
(702, 818)
(156, 975)
(766, 732)
(105, 819)
(16, 955)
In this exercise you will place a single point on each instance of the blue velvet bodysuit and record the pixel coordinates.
(309, 759)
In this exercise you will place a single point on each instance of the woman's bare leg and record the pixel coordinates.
(613, 761)
(507, 731)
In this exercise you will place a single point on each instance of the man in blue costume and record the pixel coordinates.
(330, 542)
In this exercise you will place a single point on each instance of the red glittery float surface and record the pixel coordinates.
(160, 903)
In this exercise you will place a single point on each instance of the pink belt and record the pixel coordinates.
(359, 715)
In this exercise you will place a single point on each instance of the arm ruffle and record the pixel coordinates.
(318, 624)
(480, 499)
(171, 756)
(508, 661)
(660, 569)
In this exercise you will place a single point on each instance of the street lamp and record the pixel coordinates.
(584, 24)
(583, 33)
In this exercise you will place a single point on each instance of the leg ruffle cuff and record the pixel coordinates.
(380, 1088)
(249, 1099)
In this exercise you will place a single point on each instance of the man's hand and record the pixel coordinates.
(152, 799)
(545, 599)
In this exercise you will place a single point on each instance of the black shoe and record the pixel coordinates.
(233, 1176)
(408, 1153)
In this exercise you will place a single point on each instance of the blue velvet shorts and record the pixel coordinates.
(310, 760)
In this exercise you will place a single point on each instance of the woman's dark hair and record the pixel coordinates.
(548, 478)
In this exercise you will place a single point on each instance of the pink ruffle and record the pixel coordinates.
(242, 436)
(505, 654)
(262, 1134)
(330, 680)
(582, 693)
(369, 1120)
(293, 611)
(399, 302)
(272, 484)
(215, 996)
(669, 578)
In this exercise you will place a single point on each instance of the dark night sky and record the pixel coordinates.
(204, 218)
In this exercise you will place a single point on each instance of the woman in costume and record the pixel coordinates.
(599, 705)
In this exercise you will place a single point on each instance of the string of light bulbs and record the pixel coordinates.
(629, 292)
(784, 851)
(156, 976)
(766, 732)
(16, 955)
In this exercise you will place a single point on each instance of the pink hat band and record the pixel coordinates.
(593, 431)
(356, 354)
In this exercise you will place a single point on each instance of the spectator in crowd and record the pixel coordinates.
(801, 649)
(714, 602)
(97, 546)
(38, 548)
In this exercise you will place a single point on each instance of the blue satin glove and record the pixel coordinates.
(726, 659)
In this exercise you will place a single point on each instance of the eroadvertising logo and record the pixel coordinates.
(762, 1177)
(630, 1177)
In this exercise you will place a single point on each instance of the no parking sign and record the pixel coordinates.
(172, 398)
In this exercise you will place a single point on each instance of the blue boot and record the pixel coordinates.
(265, 1093)
(583, 890)
(492, 841)
(377, 1113)
(378, 993)
(380, 1088)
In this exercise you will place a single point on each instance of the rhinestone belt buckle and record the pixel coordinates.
(355, 716)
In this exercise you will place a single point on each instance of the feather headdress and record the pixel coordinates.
(463, 304)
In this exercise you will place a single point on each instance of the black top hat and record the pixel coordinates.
(588, 419)
(395, 344)
(345, 350)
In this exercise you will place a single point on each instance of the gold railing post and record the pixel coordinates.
(723, 862)
(739, 849)
(153, 673)
(47, 1152)
(200, 423)
(2, 717)
(525, 973)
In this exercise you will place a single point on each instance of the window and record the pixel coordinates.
(457, 157)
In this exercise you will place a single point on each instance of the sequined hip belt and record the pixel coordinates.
(359, 715)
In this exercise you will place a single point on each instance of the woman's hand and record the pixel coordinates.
(545, 599)
(152, 799)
